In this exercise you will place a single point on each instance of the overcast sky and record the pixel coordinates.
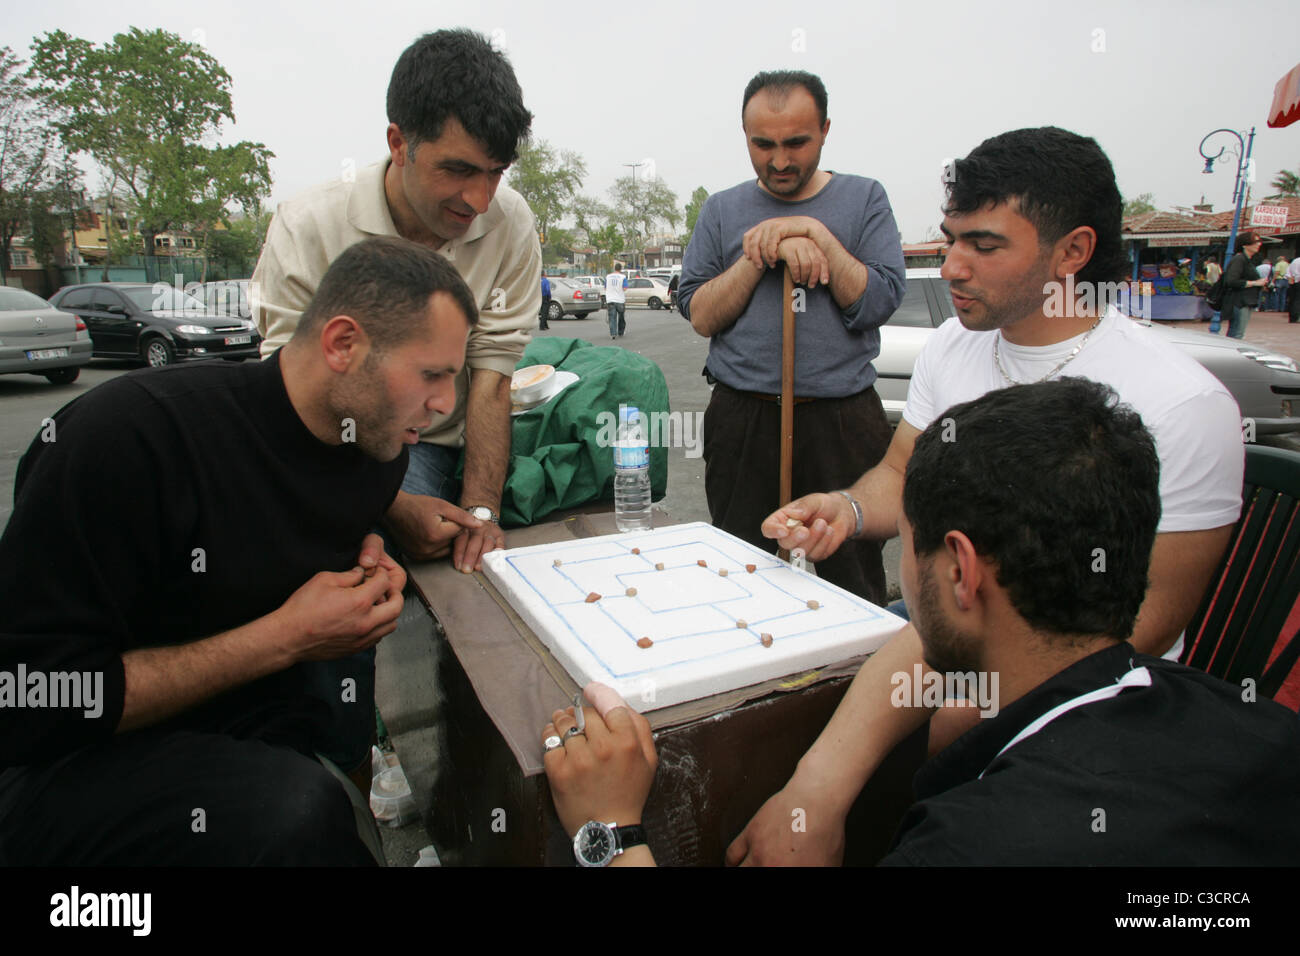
(909, 85)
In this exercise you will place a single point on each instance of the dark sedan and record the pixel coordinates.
(157, 324)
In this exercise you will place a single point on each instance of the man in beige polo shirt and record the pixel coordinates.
(456, 117)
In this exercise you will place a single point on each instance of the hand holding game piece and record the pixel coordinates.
(821, 523)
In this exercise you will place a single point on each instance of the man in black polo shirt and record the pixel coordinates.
(1027, 531)
(188, 555)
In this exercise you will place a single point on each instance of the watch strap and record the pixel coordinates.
(629, 836)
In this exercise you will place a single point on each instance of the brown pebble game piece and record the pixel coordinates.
(636, 550)
(644, 642)
(593, 597)
(557, 562)
(766, 640)
(722, 572)
(813, 605)
(742, 624)
(702, 563)
(751, 568)
(630, 592)
(659, 566)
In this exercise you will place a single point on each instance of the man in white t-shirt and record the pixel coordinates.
(1033, 222)
(615, 299)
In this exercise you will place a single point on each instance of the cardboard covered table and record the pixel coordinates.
(720, 758)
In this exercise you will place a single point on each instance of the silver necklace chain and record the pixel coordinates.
(997, 359)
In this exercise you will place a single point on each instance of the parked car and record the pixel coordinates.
(647, 290)
(228, 297)
(592, 282)
(1264, 383)
(156, 324)
(568, 296)
(38, 339)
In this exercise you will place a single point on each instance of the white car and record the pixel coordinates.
(1265, 384)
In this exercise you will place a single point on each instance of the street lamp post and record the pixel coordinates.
(1238, 190)
(635, 211)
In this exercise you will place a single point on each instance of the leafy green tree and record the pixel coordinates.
(640, 204)
(233, 251)
(548, 180)
(1139, 204)
(26, 153)
(606, 240)
(144, 107)
(1286, 183)
(693, 212)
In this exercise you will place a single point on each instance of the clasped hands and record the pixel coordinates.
(428, 528)
(794, 240)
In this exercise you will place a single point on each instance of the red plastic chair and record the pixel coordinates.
(1248, 626)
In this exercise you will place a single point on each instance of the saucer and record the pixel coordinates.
(558, 383)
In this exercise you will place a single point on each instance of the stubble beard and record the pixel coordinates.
(944, 648)
(363, 398)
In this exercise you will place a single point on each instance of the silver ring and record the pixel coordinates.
(551, 743)
(574, 732)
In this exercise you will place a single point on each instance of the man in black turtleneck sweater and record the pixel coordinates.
(189, 547)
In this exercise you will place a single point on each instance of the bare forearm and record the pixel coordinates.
(865, 727)
(163, 681)
(487, 439)
(848, 276)
(718, 303)
(880, 494)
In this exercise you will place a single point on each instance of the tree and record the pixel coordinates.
(641, 203)
(693, 212)
(606, 241)
(1139, 204)
(548, 181)
(26, 154)
(1286, 183)
(143, 107)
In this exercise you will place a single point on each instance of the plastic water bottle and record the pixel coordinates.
(631, 472)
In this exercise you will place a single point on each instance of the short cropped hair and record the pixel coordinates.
(385, 283)
(781, 83)
(1058, 485)
(458, 73)
(1059, 181)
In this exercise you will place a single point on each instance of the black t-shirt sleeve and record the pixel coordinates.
(94, 511)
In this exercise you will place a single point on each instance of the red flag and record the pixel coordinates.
(1286, 100)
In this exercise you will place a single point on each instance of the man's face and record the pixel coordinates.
(446, 182)
(944, 646)
(785, 138)
(995, 266)
(391, 396)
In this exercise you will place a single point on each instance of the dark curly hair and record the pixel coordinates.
(1058, 485)
(1060, 181)
(457, 73)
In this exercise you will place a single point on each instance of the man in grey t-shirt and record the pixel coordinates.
(838, 236)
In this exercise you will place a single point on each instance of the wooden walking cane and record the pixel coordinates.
(787, 395)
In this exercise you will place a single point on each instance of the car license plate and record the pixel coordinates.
(238, 339)
(38, 354)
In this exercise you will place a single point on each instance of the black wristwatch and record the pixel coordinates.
(596, 843)
(484, 513)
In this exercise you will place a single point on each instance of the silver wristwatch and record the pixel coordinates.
(484, 513)
(596, 843)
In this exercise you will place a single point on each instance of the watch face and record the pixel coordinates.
(481, 512)
(594, 844)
